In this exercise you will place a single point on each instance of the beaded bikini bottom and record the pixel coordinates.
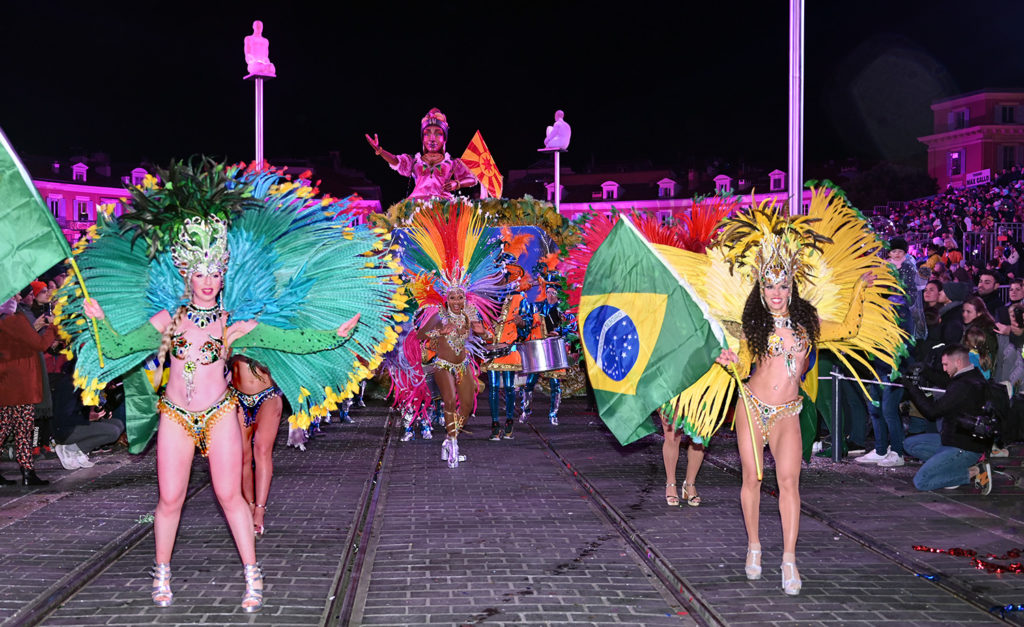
(199, 423)
(768, 415)
(251, 403)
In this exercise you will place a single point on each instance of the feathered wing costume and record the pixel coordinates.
(297, 262)
(828, 251)
(691, 230)
(445, 250)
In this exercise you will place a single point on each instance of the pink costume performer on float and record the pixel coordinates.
(434, 172)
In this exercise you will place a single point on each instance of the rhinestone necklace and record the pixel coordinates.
(202, 317)
(782, 321)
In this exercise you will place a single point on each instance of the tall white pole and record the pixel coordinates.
(259, 122)
(796, 106)
(558, 180)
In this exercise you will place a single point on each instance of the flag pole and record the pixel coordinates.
(750, 419)
(85, 295)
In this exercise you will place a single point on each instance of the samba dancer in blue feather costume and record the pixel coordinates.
(232, 261)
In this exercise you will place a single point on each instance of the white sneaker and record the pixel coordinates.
(892, 459)
(80, 456)
(67, 459)
(872, 457)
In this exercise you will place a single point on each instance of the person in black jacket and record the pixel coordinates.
(944, 465)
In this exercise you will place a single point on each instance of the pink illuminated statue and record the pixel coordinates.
(435, 173)
(558, 134)
(257, 52)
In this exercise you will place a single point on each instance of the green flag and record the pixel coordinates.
(646, 334)
(30, 240)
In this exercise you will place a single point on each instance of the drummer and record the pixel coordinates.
(502, 368)
(552, 322)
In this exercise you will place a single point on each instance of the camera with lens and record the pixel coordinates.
(975, 431)
(912, 377)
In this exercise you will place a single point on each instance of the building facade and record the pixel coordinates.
(73, 191)
(976, 136)
(656, 192)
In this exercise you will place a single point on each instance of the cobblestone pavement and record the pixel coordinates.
(511, 537)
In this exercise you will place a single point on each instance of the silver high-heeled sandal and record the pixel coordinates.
(253, 595)
(790, 585)
(161, 573)
(259, 530)
(753, 566)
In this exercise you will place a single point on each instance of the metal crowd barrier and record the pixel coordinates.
(837, 422)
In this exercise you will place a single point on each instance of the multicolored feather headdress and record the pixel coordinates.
(769, 247)
(448, 253)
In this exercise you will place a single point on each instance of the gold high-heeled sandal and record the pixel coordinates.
(161, 573)
(790, 585)
(253, 595)
(694, 500)
(673, 500)
(753, 565)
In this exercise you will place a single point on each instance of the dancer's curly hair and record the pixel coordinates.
(758, 323)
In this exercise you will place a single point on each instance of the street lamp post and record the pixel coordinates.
(796, 106)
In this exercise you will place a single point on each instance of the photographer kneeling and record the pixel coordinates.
(946, 465)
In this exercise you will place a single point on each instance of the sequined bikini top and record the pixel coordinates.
(209, 352)
(777, 347)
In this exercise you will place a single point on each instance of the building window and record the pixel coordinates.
(54, 204)
(82, 210)
(138, 174)
(956, 165)
(666, 188)
(1009, 156)
(609, 190)
(1006, 114)
(776, 181)
(550, 187)
(958, 119)
(78, 172)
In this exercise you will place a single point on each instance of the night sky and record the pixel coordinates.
(668, 83)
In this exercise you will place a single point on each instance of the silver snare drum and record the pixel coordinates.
(543, 355)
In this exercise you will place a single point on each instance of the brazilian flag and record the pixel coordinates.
(30, 240)
(646, 334)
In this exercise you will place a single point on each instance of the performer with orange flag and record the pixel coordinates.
(434, 172)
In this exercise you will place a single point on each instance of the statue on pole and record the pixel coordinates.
(257, 53)
(558, 134)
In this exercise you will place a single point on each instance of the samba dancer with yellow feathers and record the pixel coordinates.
(774, 335)
(457, 286)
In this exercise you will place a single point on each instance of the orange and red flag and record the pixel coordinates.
(479, 161)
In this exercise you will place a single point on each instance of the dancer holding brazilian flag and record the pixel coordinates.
(671, 329)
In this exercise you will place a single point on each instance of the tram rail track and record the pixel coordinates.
(691, 598)
(351, 577)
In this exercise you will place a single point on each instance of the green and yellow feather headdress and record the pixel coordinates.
(769, 247)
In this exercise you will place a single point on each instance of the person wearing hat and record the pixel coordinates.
(435, 173)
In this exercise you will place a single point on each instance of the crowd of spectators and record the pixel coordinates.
(956, 211)
(967, 325)
(39, 408)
